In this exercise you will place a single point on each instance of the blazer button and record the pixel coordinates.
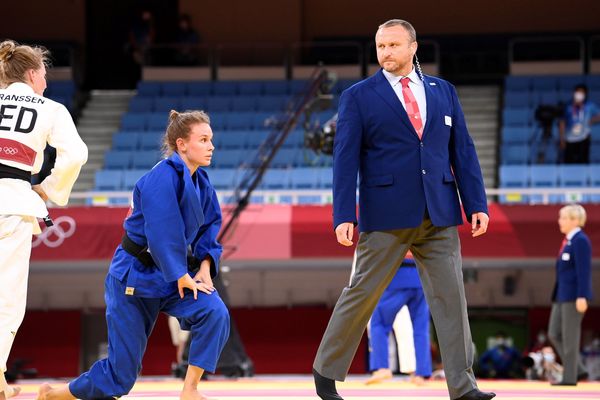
(423, 171)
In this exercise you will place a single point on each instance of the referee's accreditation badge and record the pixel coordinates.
(129, 291)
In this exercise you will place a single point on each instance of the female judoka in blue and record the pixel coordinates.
(174, 208)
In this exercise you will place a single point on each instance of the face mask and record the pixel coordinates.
(579, 97)
(549, 357)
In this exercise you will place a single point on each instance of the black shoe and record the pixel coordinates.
(563, 384)
(583, 376)
(476, 394)
(325, 387)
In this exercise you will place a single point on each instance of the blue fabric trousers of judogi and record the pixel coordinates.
(130, 321)
(383, 318)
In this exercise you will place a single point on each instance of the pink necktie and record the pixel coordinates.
(412, 107)
(562, 246)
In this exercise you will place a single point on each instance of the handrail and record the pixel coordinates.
(325, 196)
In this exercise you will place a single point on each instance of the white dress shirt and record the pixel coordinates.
(417, 87)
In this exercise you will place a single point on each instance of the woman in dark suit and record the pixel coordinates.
(572, 291)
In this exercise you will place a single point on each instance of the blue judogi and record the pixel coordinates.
(404, 290)
(172, 211)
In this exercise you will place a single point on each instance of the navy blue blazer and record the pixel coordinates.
(574, 270)
(400, 175)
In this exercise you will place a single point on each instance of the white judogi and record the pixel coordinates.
(27, 123)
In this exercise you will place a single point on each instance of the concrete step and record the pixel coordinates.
(97, 130)
(98, 112)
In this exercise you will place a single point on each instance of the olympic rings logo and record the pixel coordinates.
(55, 235)
(11, 151)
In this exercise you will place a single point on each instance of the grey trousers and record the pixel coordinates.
(564, 331)
(378, 255)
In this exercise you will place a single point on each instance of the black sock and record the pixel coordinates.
(325, 387)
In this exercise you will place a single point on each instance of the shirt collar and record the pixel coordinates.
(572, 233)
(20, 87)
(394, 79)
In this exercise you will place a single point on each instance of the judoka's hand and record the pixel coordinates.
(203, 274)
(479, 222)
(186, 282)
(344, 233)
(38, 189)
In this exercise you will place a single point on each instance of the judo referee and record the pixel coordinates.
(27, 122)
(175, 208)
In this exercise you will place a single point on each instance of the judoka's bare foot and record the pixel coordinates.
(192, 395)
(10, 391)
(379, 376)
(190, 384)
(47, 392)
(417, 380)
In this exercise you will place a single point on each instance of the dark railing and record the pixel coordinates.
(547, 48)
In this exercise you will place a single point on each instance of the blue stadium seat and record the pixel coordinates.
(108, 180)
(259, 119)
(117, 159)
(595, 133)
(593, 83)
(294, 139)
(231, 140)
(544, 83)
(256, 138)
(284, 158)
(133, 122)
(573, 176)
(275, 179)
(166, 104)
(193, 103)
(550, 97)
(595, 153)
(61, 88)
(276, 87)
(148, 89)
(228, 158)
(565, 96)
(225, 88)
(594, 174)
(517, 116)
(218, 103)
(174, 89)
(125, 141)
(145, 159)
(514, 154)
(520, 83)
(218, 120)
(514, 176)
(325, 178)
(516, 134)
(243, 103)
(151, 141)
(131, 176)
(304, 178)
(223, 178)
(157, 121)
(298, 86)
(568, 82)
(240, 120)
(543, 176)
(272, 103)
(140, 104)
(250, 88)
(517, 99)
(201, 88)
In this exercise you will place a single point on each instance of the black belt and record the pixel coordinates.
(14, 173)
(142, 254)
